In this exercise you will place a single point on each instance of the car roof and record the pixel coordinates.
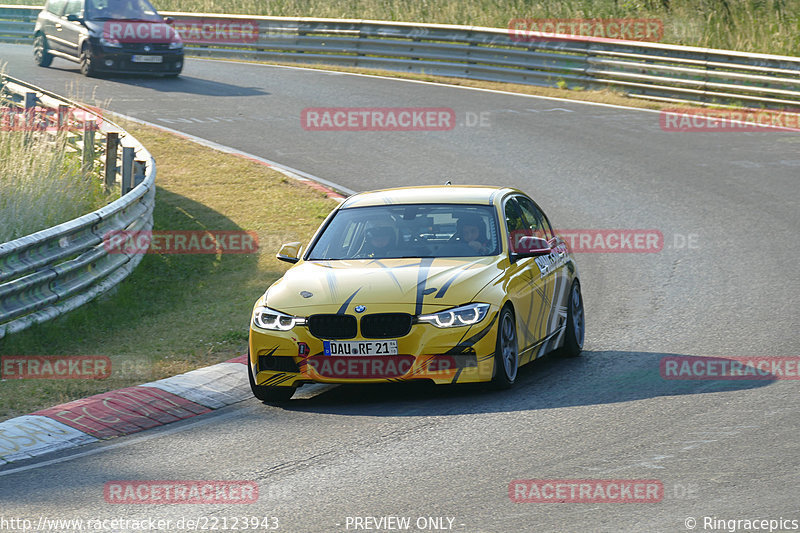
(431, 194)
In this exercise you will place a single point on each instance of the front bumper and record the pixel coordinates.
(121, 61)
(441, 355)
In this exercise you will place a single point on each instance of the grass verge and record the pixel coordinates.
(42, 184)
(176, 312)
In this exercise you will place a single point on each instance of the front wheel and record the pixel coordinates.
(506, 356)
(41, 54)
(87, 61)
(268, 394)
(576, 324)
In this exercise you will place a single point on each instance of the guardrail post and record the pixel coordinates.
(112, 145)
(127, 169)
(63, 117)
(30, 111)
(88, 145)
(138, 172)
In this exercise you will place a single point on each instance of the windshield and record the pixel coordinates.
(418, 230)
(121, 10)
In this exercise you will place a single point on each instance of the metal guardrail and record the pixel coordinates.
(639, 69)
(55, 270)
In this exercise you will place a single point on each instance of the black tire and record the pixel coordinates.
(506, 355)
(88, 68)
(576, 324)
(268, 394)
(41, 54)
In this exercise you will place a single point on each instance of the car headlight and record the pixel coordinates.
(176, 45)
(465, 315)
(110, 42)
(266, 318)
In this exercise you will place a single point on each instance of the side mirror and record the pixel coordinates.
(169, 20)
(72, 17)
(529, 246)
(290, 252)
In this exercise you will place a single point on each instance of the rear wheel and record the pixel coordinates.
(506, 356)
(576, 324)
(41, 53)
(87, 61)
(268, 394)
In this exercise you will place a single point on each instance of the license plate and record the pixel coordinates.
(360, 348)
(147, 59)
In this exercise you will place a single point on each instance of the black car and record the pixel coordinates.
(126, 36)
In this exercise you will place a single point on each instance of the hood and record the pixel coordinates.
(406, 285)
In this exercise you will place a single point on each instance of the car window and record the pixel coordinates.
(56, 7)
(413, 230)
(515, 224)
(534, 218)
(73, 7)
(121, 10)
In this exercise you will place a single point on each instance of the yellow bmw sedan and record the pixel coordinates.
(451, 284)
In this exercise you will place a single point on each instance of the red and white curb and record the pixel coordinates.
(124, 411)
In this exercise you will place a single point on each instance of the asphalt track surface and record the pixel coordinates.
(723, 450)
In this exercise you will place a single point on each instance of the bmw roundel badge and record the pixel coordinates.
(360, 308)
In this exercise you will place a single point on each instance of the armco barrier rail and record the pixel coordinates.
(55, 270)
(639, 69)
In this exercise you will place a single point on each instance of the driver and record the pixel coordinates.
(471, 231)
(380, 241)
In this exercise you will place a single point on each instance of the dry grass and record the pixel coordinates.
(41, 184)
(767, 26)
(176, 312)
